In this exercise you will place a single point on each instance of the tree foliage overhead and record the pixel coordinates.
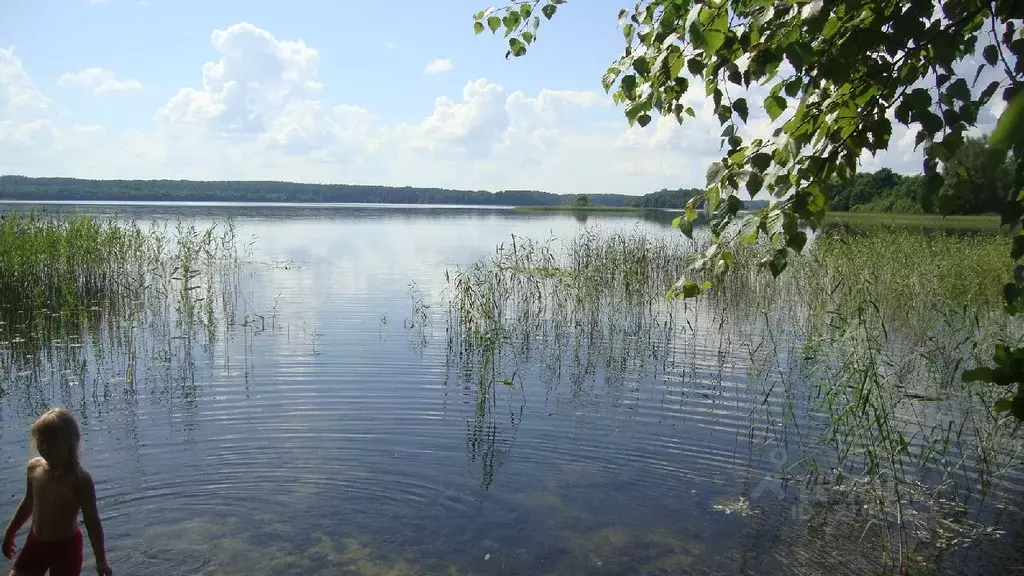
(827, 73)
(831, 70)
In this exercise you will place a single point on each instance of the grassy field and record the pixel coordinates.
(983, 222)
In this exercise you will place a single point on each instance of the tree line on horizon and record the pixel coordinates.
(974, 185)
(75, 189)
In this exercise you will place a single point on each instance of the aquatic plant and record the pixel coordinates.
(113, 288)
(854, 354)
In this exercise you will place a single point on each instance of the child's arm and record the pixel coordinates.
(87, 499)
(22, 514)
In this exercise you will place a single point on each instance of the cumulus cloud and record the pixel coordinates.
(100, 81)
(21, 98)
(439, 65)
(255, 81)
(259, 112)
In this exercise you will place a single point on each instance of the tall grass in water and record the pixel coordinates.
(68, 282)
(594, 305)
(888, 321)
(857, 348)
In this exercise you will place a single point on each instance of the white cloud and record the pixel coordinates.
(100, 81)
(260, 113)
(252, 84)
(20, 97)
(439, 65)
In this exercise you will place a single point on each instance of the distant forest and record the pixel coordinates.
(973, 185)
(976, 188)
(74, 189)
(678, 198)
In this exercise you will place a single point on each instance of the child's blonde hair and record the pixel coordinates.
(58, 423)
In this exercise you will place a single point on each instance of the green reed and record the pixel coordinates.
(872, 330)
(74, 282)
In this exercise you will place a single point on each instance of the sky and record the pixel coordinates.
(401, 93)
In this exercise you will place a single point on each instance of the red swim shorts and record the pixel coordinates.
(62, 558)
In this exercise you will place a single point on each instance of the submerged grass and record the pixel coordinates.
(857, 350)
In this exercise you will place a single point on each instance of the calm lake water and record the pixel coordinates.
(327, 438)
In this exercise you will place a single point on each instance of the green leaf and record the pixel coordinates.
(983, 374)
(777, 264)
(959, 90)
(690, 289)
(549, 11)
(608, 80)
(478, 27)
(643, 120)
(991, 54)
(797, 240)
(516, 47)
(715, 21)
(684, 224)
(774, 105)
(754, 183)
(724, 114)
(750, 228)
(695, 66)
(1018, 247)
(989, 91)
(642, 66)
(715, 172)
(740, 106)
(628, 84)
(1009, 126)
(793, 87)
(1018, 406)
(493, 22)
(761, 161)
(931, 122)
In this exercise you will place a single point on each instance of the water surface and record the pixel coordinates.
(334, 434)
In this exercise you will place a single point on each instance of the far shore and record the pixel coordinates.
(591, 208)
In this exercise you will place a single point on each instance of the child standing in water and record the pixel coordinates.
(57, 488)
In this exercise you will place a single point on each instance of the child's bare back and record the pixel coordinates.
(57, 488)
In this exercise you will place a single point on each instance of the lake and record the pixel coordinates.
(336, 427)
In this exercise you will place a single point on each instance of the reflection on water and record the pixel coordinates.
(328, 415)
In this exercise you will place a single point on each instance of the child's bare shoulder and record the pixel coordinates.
(83, 483)
(82, 475)
(36, 464)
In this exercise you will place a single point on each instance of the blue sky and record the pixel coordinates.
(330, 92)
